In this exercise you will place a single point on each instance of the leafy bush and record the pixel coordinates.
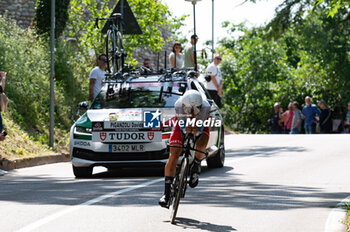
(26, 59)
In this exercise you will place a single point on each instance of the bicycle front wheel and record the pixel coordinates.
(180, 186)
(111, 52)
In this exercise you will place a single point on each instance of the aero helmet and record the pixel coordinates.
(192, 102)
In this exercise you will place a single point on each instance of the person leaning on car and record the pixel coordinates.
(214, 80)
(97, 76)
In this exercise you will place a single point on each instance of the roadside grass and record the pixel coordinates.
(25, 57)
(20, 143)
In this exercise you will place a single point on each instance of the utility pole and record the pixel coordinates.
(212, 32)
(52, 76)
(194, 27)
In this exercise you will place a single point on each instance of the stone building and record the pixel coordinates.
(23, 13)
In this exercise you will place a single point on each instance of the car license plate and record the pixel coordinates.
(126, 148)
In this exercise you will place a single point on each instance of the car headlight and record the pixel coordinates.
(82, 131)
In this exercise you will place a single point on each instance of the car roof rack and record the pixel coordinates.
(167, 75)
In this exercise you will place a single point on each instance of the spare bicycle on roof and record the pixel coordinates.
(114, 29)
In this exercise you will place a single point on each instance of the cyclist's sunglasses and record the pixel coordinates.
(103, 59)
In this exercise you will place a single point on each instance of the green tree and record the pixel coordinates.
(308, 58)
(43, 16)
(335, 5)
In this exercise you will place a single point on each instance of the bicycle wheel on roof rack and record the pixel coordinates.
(111, 52)
(119, 52)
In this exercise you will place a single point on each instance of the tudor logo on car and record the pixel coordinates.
(103, 136)
(150, 135)
(136, 136)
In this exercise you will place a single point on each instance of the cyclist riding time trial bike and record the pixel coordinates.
(179, 186)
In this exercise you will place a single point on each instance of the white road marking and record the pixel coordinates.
(335, 219)
(52, 217)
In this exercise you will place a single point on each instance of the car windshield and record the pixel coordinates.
(138, 95)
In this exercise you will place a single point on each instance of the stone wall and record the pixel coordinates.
(23, 12)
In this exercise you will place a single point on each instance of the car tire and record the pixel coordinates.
(82, 172)
(218, 160)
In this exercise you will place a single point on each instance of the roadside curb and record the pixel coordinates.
(7, 165)
(228, 131)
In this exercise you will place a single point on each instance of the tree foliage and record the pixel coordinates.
(335, 5)
(309, 58)
(43, 16)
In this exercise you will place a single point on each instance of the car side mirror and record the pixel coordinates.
(210, 101)
(83, 105)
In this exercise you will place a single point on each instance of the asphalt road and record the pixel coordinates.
(269, 183)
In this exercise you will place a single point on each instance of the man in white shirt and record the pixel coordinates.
(214, 85)
(97, 76)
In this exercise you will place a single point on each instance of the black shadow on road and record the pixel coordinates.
(187, 223)
(217, 187)
(130, 173)
(223, 188)
(263, 151)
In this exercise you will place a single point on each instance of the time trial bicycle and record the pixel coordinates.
(179, 185)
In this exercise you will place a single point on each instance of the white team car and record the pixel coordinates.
(125, 126)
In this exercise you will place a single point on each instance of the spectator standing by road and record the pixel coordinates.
(296, 122)
(347, 119)
(175, 58)
(189, 52)
(2, 89)
(276, 123)
(214, 85)
(97, 76)
(325, 119)
(288, 118)
(310, 112)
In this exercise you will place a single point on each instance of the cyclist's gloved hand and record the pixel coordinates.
(194, 130)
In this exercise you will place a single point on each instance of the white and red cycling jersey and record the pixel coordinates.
(175, 137)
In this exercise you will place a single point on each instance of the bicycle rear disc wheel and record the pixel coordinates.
(110, 52)
(180, 190)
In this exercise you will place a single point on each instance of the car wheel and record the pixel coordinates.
(218, 160)
(82, 172)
